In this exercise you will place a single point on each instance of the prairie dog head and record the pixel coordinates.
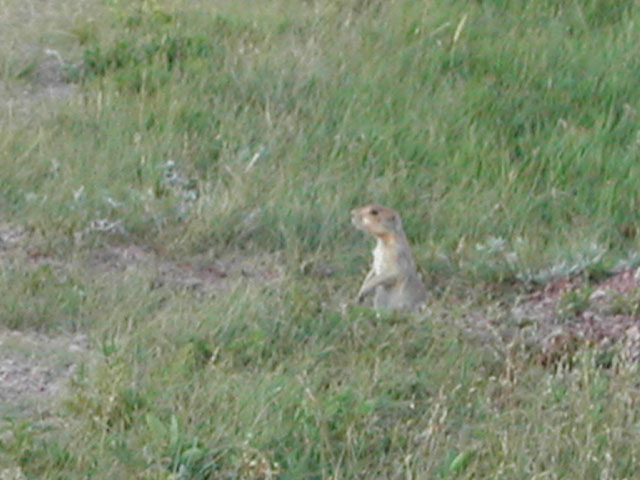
(376, 220)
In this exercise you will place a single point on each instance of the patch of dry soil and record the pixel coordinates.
(34, 367)
(570, 313)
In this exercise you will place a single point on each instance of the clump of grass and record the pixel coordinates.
(312, 392)
(443, 130)
(574, 302)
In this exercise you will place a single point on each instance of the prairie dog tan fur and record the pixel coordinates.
(393, 278)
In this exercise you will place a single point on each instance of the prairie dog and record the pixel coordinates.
(393, 278)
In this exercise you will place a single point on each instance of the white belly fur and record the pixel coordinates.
(378, 257)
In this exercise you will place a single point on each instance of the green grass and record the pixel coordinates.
(505, 132)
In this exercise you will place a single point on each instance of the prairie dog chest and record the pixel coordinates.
(380, 257)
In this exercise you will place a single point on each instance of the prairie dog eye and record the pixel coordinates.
(374, 211)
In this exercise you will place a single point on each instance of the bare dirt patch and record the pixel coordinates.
(10, 237)
(570, 313)
(34, 367)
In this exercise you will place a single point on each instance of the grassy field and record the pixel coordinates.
(176, 181)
